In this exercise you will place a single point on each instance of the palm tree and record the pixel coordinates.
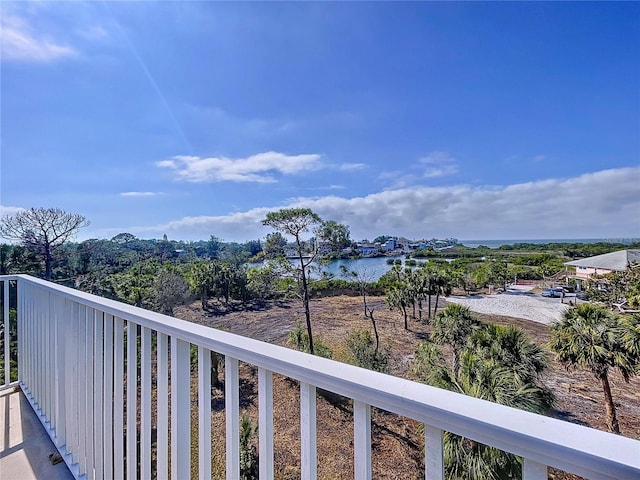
(630, 333)
(453, 326)
(589, 336)
(492, 367)
(509, 347)
(398, 297)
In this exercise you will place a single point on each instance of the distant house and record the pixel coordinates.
(367, 248)
(390, 245)
(619, 261)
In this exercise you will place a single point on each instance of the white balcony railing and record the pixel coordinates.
(76, 349)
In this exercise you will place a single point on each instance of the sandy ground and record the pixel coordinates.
(517, 301)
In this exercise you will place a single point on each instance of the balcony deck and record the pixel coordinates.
(24, 443)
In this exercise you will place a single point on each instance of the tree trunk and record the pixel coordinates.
(305, 299)
(47, 262)
(429, 305)
(612, 419)
(404, 312)
(435, 307)
(375, 330)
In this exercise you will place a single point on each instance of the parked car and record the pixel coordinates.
(582, 295)
(555, 292)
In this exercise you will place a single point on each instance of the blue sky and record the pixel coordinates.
(472, 120)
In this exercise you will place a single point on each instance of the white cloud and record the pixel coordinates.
(349, 167)
(23, 44)
(603, 204)
(439, 164)
(6, 210)
(539, 158)
(256, 168)
(139, 194)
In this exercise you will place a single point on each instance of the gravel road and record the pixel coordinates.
(516, 302)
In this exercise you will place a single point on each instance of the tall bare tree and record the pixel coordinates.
(42, 231)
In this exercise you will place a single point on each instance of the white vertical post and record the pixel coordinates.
(232, 416)
(72, 380)
(118, 398)
(81, 387)
(309, 461)
(145, 404)
(180, 410)
(89, 388)
(533, 470)
(132, 397)
(49, 363)
(362, 440)
(162, 428)
(5, 319)
(433, 455)
(98, 398)
(204, 413)
(60, 339)
(108, 397)
(265, 423)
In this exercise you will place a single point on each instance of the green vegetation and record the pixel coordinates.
(365, 353)
(594, 338)
(495, 363)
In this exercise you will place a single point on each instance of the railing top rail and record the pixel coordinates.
(546, 440)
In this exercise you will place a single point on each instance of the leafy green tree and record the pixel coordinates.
(336, 235)
(200, 277)
(42, 230)
(295, 222)
(453, 326)
(274, 245)
(590, 336)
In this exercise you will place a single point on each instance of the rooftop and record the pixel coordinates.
(616, 261)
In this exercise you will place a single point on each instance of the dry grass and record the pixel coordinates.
(397, 442)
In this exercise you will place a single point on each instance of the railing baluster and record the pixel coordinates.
(145, 404)
(5, 319)
(362, 440)
(232, 416)
(89, 386)
(132, 397)
(72, 381)
(118, 398)
(98, 397)
(265, 423)
(180, 409)
(308, 460)
(533, 470)
(81, 388)
(49, 366)
(204, 413)
(60, 337)
(162, 427)
(433, 454)
(108, 396)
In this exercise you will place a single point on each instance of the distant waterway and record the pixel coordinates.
(538, 241)
(372, 268)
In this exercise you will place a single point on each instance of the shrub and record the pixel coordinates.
(299, 339)
(364, 353)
